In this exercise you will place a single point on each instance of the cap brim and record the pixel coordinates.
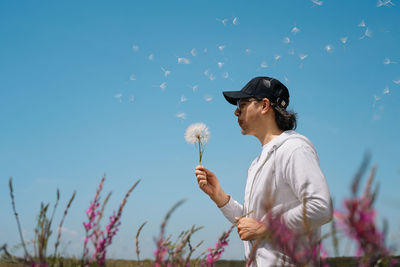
(233, 96)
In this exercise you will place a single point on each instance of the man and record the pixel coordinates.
(287, 171)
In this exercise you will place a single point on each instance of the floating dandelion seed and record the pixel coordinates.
(277, 57)
(328, 48)
(344, 40)
(181, 115)
(183, 98)
(247, 51)
(396, 81)
(286, 79)
(361, 24)
(367, 33)
(225, 75)
(387, 3)
(295, 30)
(221, 48)
(151, 56)
(194, 87)
(166, 72)
(131, 98)
(386, 91)
(198, 133)
(163, 86)
(387, 61)
(263, 65)
(207, 73)
(223, 21)
(302, 57)
(119, 97)
(135, 48)
(205, 50)
(317, 3)
(212, 77)
(220, 64)
(182, 60)
(376, 99)
(235, 21)
(286, 40)
(193, 52)
(132, 77)
(291, 51)
(208, 98)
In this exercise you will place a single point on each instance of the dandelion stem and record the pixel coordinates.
(16, 217)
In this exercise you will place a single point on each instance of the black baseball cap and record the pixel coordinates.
(261, 87)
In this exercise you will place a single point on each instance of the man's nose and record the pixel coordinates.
(237, 113)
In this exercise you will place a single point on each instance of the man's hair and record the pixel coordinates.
(286, 120)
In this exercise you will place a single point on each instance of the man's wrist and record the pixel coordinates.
(221, 200)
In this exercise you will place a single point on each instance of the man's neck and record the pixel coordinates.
(269, 136)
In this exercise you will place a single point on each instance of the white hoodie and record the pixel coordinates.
(288, 167)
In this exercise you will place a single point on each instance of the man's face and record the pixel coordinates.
(248, 112)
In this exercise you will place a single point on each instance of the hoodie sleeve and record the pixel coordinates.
(308, 183)
(232, 209)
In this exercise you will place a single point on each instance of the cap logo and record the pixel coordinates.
(283, 103)
(267, 83)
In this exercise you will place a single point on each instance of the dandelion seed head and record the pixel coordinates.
(361, 24)
(220, 64)
(221, 48)
(131, 98)
(344, 39)
(396, 81)
(197, 132)
(225, 75)
(193, 52)
(132, 77)
(151, 57)
(212, 77)
(277, 57)
(247, 51)
(183, 98)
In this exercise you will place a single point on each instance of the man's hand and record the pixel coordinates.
(209, 183)
(250, 229)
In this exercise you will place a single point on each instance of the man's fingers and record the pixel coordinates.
(202, 183)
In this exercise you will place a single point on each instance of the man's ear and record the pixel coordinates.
(265, 105)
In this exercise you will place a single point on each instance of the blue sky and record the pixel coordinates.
(84, 92)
